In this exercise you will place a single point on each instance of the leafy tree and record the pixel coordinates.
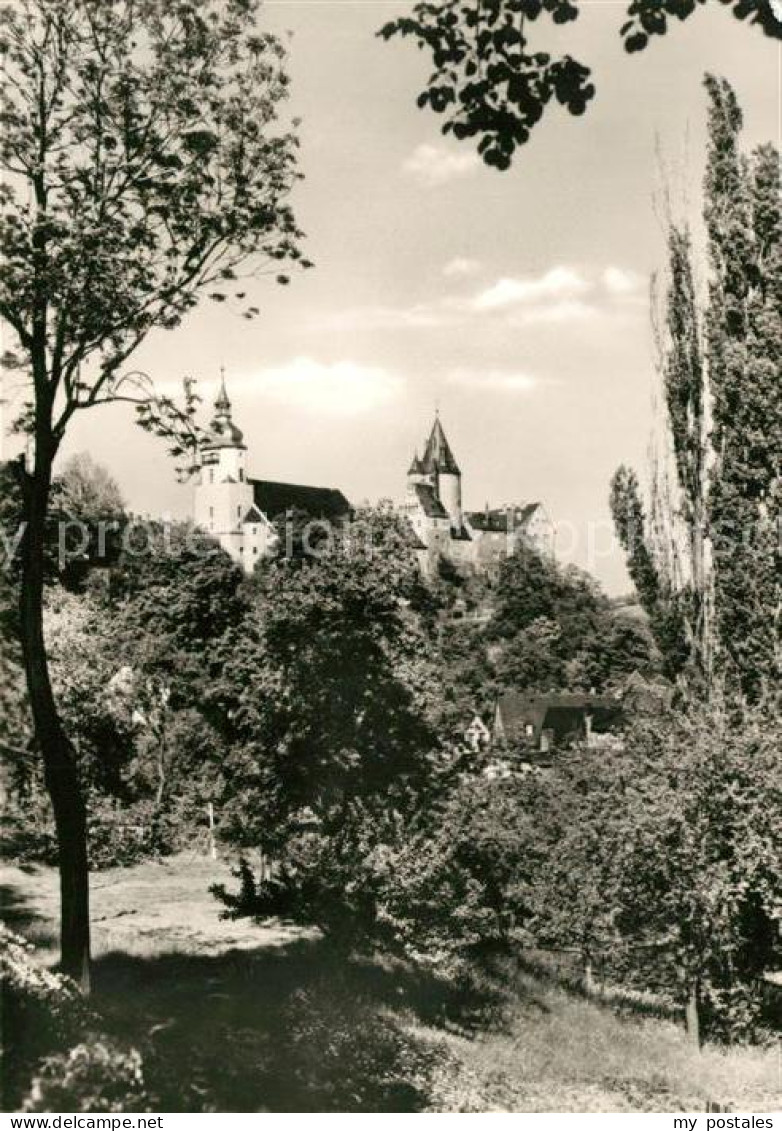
(490, 83)
(701, 861)
(144, 163)
(661, 861)
(552, 627)
(453, 890)
(329, 688)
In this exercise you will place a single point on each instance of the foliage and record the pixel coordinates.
(663, 604)
(551, 627)
(453, 890)
(97, 1075)
(743, 331)
(345, 1056)
(157, 168)
(328, 688)
(53, 1057)
(130, 656)
(715, 607)
(664, 858)
(490, 83)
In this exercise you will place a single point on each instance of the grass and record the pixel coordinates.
(243, 1017)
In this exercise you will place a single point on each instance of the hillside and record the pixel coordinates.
(210, 995)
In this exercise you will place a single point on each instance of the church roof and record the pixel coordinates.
(253, 516)
(274, 499)
(430, 503)
(438, 455)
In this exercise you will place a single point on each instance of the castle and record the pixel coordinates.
(474, 541)
(240, 512)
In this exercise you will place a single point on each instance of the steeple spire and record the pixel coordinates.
(222, 404)
(438, 456)
(223, 432)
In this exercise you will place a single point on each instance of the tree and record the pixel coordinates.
(700, 859)
(330, 689)
(659, 600)
(144, 164)
(490, 83)
(743, 334)
(706, 563)
(552, 627)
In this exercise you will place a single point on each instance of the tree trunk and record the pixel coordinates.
(692, 1015)
(60, 770)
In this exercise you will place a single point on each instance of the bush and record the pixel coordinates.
(54, 1057)
(343, 1055)
(96, 1075)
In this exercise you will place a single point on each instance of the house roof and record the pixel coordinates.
(502, 519)
(564, 713)
(429, 501)
(438, 456)
(416, 467)
(274, 499)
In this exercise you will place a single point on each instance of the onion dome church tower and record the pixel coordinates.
(222, 495)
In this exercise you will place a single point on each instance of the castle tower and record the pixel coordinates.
(439, 464)
(415, 474)
(222, 494)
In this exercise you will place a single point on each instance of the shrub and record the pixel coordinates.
(54, 1057)
(95, 1075)
(345, 1056)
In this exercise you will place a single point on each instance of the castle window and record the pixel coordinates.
(211, 512)
(241, 475)
(211, 475)
(239, 511)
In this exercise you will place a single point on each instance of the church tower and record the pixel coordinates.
(442, 470)
(222, 494)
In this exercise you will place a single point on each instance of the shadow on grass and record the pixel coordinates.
(19, 915)
(300, 1027)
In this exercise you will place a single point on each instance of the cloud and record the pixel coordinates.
(561, 295)
(339, 388)
(461, 266)
(434, 165)
(618, 281)
(556, 284)
(497, 380)
(557, 313)
(418, 316)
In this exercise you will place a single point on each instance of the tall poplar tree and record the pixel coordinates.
(744, 335)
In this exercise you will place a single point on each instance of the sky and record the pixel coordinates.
(515, 302)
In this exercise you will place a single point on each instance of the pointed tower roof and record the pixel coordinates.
(438, 455)
(416, 467)
(222, 404)
(223, 433)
